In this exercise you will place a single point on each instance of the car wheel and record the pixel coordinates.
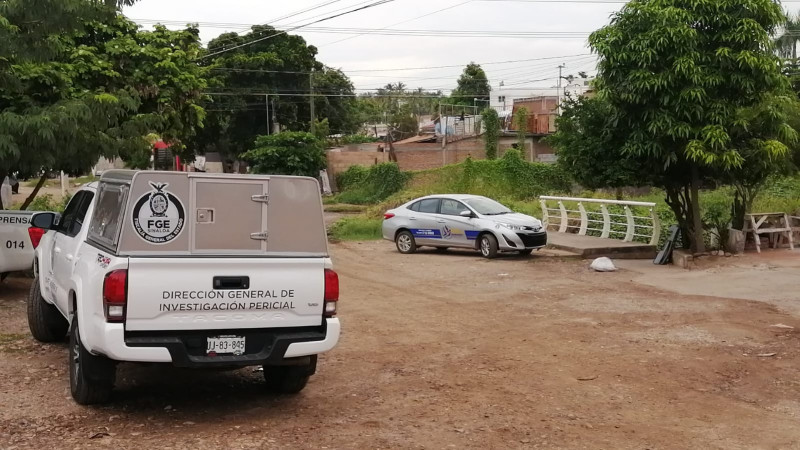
(526, 252)
(91, 378)
(488, 246)
(405, 242)
(44, 320)
(289, 379)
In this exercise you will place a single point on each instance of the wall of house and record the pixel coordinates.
(341, 161)
(425, 155)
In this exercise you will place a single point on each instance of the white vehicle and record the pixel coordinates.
(462, 221)
(17, 241)
(196, 270)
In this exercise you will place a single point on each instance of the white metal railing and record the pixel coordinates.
(607, 224)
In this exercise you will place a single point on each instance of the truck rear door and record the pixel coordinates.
(224, 293)
(230, 215)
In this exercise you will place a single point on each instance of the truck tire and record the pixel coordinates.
(488, 245)
(91, 378)
(405, 242)
(289, 379)
(44, 320)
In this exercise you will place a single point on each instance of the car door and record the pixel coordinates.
(65, 246)
(423, 222)
(457, 229)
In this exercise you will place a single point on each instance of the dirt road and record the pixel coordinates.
(452, 351)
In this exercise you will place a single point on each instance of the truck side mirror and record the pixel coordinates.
(45, 220)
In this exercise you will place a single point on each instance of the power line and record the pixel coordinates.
(297, 13)
(396, 95)
(397, 69)
(371, 5)
(498, 72)
(400, 23)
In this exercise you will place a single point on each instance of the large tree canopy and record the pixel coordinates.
(687, 82)
(589, 148)
(472, 86)
(285, 67)
(80, 81)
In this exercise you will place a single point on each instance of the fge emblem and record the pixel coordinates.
(158, 215)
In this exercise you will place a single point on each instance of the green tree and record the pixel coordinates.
(78, 81)
(521, 126)
(683, 80)
(280, 65)
(287, 153)
(472, 85)
(491, 135)
(590, 150)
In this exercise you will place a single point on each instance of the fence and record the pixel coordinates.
(603, 223)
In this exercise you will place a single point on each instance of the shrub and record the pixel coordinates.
(46, 202)
(358, 139)
(356, 229)
(351, 177)
(380, 182)
(287, 153)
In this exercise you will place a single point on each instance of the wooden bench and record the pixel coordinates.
(777, 225)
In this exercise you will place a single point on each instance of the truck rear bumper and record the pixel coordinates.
(264, 346)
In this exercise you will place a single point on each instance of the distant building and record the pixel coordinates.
(542, 112)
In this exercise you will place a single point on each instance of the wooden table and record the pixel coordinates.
(768, 223)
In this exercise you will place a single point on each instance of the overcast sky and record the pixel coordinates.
(356, 55)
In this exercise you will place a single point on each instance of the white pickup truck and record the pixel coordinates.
(196, 270)
(17, 241)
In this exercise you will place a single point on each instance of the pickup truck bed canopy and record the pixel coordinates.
(150, 213)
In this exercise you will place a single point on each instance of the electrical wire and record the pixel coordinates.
(399, 23)
(371, 5)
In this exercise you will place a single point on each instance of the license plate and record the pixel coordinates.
(222, 345)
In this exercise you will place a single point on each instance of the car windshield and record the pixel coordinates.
(487, 207)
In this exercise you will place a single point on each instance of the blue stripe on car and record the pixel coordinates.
(472, 235)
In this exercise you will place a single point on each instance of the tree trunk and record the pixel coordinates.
(676, 199)
(3, 175)
(698, 244)
(618, 193)
(30, 198)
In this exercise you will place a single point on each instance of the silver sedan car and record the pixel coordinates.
(462, 221)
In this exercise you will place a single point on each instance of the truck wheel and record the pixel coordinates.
(289, 379)
(91, 378)
(44, 320)
(488, 246)
(405, 242)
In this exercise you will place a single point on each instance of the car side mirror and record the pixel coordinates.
(465, 213)
(45, 220)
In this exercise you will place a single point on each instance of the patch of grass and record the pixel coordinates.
(358, 228)
(56, 182)
(344, 208)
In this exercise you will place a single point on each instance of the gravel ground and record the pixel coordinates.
(453, 351)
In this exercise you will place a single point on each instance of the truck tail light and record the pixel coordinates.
(36, 235)
(115, 295)
(331, 292)
(387, 216)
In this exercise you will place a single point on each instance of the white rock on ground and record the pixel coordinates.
(603, 264)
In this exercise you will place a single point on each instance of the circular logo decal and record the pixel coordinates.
(158, 216)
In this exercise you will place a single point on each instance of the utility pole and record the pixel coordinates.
(266, 103)
(311, 90)
(558, 93)
(443, 126)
